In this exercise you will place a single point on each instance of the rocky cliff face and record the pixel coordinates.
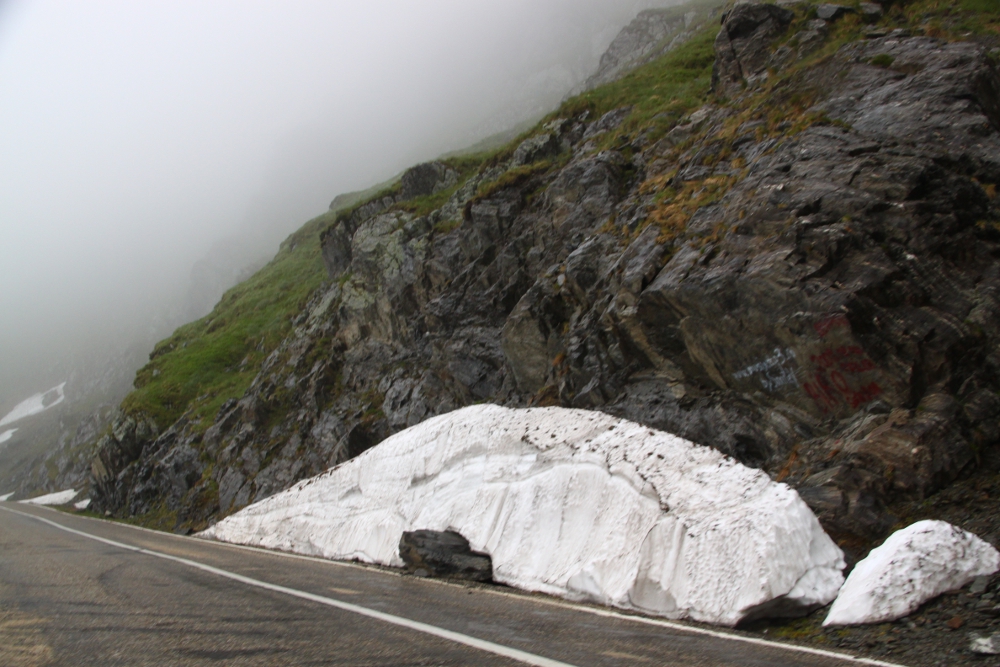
(802, 273)
(66, 465)
(652, 33)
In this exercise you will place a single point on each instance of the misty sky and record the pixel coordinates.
(135, 135)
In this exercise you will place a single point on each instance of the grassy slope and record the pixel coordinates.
(210, 360)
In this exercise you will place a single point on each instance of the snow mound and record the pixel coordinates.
(567, 502)
(7, 435)
(83, 504)
(57, 498)
(35, 404)
(6, 496)
(914, 565)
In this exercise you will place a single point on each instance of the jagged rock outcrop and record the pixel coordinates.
(742, 51)
(817, 295)
(652, 33)
(426, 179)
(112, 469)
(67, 465)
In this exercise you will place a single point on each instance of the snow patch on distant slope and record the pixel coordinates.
(567, 502)
(7, 435)
(57, 498)
(914, 565)
(38, 403)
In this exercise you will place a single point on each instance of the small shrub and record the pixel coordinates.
(883, 60)
(985, 6)
(510, 179)
(446, 226)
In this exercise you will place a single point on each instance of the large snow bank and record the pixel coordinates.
(35, 404)
(7, 435)
(57, 498)
(567, 502)
(914, 565)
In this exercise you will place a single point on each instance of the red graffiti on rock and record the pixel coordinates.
(824, 326)
(829, 386)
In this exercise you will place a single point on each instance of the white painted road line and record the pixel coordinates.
(846, 657)
(457, 637)
(596, 611)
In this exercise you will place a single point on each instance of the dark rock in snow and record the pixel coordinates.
(432, 553)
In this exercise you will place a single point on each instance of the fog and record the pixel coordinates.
(137, 139)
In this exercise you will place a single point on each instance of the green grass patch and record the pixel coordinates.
(465, 165)
(345, 213)
(659, 93)
(511, 178)
(947, 19)
(883, 60)
(991, 7)
(215, 358)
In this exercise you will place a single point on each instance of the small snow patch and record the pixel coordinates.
(567, 502)
(38, 403)
(83, 504)
(57, 498)
(985, 645)
(914, 565)
(6, 496)
(7, 435)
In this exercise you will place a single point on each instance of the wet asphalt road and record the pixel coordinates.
(66, 599)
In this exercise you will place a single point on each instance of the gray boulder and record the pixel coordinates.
(871, 11)
(829, 12)
(425, 179)
(536, 148)
(432, 553)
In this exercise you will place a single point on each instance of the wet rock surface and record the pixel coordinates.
(443, 554)
(741, 49)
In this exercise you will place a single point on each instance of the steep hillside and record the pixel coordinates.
(779, 239)
(653, 33)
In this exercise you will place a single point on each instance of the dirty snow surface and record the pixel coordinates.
(568, 502)
(35, 404)
(57, 498)
(914, 565)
